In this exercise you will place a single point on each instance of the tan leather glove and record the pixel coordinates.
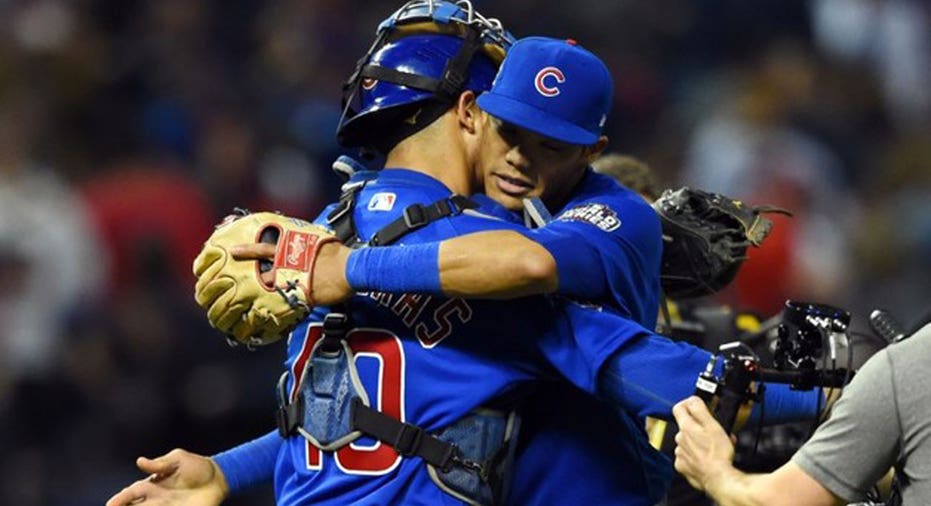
(238, 302)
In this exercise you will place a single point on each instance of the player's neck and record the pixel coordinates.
(435, 154)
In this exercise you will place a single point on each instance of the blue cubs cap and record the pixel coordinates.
(552, 87)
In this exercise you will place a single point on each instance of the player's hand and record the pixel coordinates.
(176, 478)
(330, 285)
(704, 452)
(250, 308)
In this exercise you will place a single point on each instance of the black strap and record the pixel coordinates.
(351, 86)
(408, 79)
(416, 216)
(456, 73)
(340, 219)
(335, 328)
(290, 416)
(408, 440)
(448, 87)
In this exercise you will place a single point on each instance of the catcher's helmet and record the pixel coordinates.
(423, 57)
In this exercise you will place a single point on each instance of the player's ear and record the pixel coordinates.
(467, 111)
(592, 152)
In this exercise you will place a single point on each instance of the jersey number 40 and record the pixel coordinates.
(385, 348)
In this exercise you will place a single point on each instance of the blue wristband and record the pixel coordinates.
(411, 268)
(249, 463)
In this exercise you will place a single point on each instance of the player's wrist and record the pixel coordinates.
(329, 277)
(395, 269)
(218, 481)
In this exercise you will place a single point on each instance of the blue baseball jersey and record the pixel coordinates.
(607, 242)
(429, 361)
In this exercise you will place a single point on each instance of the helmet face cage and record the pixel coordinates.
(442, 12)
(418, 17)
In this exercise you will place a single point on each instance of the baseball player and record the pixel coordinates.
(324, 472)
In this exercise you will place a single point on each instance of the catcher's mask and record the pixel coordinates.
(423, 57)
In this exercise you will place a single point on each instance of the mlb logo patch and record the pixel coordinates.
(382, 202)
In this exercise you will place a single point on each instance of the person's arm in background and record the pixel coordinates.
(845, 457)
(649, 375)
(184, 478)
(704, 455)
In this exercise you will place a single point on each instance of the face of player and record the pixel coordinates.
(516, 164)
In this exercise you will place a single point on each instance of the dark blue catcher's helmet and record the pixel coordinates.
(423, 57)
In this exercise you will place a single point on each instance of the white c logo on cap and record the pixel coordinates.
(540, 84)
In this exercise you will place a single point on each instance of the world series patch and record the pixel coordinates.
(599, 215)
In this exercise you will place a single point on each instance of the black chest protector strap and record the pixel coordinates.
(416, 216)
(406, 439)
(340, 219)
(335, 327)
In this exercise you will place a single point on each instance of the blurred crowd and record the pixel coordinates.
(128, 128)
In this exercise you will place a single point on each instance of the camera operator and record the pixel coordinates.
(883, 419)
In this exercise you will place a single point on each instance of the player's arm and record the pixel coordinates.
(578, 254)
(176, 478)
(573, 255)
(501, 264)
(568, 256)
(642, 372)
(704, 454)
(184, 478)
(606, 241)
(649, 374)
(250, 463)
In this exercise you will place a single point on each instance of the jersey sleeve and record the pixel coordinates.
(250, 463)
(607, 247)
(859, 443)
(583, 340)
(647, 374)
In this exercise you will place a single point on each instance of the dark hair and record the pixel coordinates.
(630, 172)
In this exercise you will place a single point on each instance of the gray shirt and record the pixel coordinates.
(882, 418)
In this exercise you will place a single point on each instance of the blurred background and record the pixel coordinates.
(128, 127)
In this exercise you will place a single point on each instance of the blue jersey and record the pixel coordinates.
(429, 361)
(607, 242)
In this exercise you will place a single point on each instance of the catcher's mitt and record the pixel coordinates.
(238, 302)
(705, 239)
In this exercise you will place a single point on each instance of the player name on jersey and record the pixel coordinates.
(430, 326)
